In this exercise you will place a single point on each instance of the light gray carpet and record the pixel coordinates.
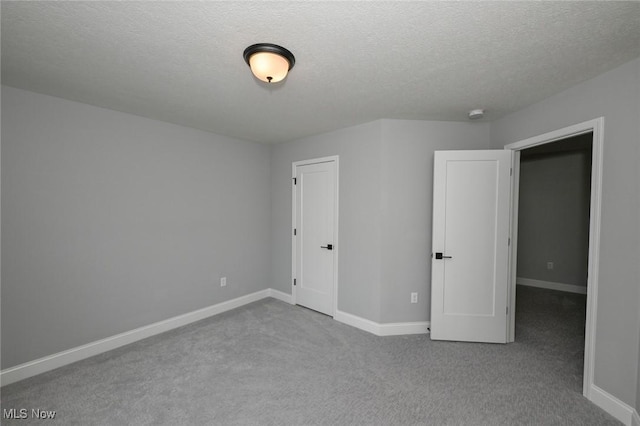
(270, 363)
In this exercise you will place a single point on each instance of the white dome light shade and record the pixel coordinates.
(269, 67)
(269, 63)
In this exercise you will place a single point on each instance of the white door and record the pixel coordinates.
(315, 236)
(470, 259)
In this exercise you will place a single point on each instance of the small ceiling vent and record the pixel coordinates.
(476, 114)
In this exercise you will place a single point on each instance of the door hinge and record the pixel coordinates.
(509, 242)
(295, 181)
(507, 310)
(294, 231)
(294, 281)
(511, 171)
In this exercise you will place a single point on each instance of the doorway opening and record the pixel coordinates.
(553, 251)
(587, 135)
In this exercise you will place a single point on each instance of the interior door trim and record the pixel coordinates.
(597, 127)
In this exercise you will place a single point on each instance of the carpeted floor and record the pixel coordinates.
(270, 363)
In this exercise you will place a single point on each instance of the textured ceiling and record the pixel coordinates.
(182, 62)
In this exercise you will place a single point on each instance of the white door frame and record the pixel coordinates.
(336, 245)
(597, 127)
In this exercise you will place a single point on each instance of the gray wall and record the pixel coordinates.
(386, 174)
(112, 221)
(616, 96)
(553, 217)
(406, 208)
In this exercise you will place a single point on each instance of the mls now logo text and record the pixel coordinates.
(23, 413)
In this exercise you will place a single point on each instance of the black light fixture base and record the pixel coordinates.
(270, 48)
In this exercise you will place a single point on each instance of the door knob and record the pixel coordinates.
(328, 246)
(440, 256)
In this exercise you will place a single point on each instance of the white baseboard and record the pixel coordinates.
(357, 322)
(51, 362)
(401, 328)
(635, 419)
(387, 329)
(612, 405)
(277, 294)
(570, 288)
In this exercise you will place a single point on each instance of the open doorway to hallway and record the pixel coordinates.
(553, 253)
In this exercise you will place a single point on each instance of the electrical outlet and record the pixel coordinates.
(223, 282)
(414, 297)
(549, 265)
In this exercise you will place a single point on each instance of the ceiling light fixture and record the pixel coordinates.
(269, 62)
(476, 114)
